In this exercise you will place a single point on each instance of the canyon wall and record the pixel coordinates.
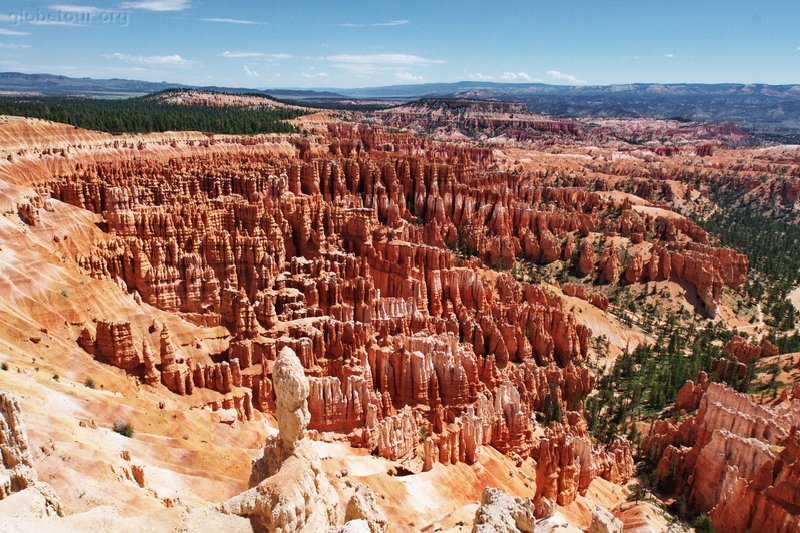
(734, 459)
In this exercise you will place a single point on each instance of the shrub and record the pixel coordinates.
(4, 366)
(638, 492)
(89, 382)
(56, 377)
(123, 428)
(703, 524)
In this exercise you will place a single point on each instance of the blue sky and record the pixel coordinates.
(371, 42)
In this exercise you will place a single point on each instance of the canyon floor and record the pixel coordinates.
(476, 297)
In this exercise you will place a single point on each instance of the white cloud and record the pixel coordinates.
(516, 76)
(232, 21)
(14, 45)
(562, 76)
(480, 77)
(276, 57)
(250, 55)
(157, 5)
(404, 75)
(399, 22)
(13, 32)
(383, 59)
(238, 55)
(391, 23)
(315, 74)
(669, 56)
(797, 49)
(173, 60)
(250, 72)
(67, 8)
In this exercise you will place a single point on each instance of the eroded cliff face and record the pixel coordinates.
(21, 494)
(18, 471)
(735, 459)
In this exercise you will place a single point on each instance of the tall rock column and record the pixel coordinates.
(19, 487)
(291, 491)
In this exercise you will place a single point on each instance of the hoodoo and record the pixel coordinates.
(495, 305)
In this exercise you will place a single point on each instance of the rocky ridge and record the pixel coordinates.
(735, 460)
(21, 494)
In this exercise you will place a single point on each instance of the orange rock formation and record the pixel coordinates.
(735, 459)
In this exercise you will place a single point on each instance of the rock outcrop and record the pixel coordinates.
(742, 350)
(692, 391)
(604, 522)
(114, 343)
(18, 472)
(20, 491)
(152, 376)
(747, 352)
(290, 492)
(501, 513)
(363, 506)
(586, 258)
(735, 459)
(580, 291)
(175, 372)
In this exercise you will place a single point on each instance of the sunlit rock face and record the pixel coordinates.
(737, 460)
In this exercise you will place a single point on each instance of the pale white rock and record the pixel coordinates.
(290, 491)
(16, 469)
(604, 522)
(21, 495)
(502, 513)
(355, 526)
(363, 506)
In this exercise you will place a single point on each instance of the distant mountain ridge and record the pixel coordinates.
(51, 84)
(54, 85)
(478, 88)
(757, 107)
(773, 109)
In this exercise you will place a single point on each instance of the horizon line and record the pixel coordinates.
(476, 82)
